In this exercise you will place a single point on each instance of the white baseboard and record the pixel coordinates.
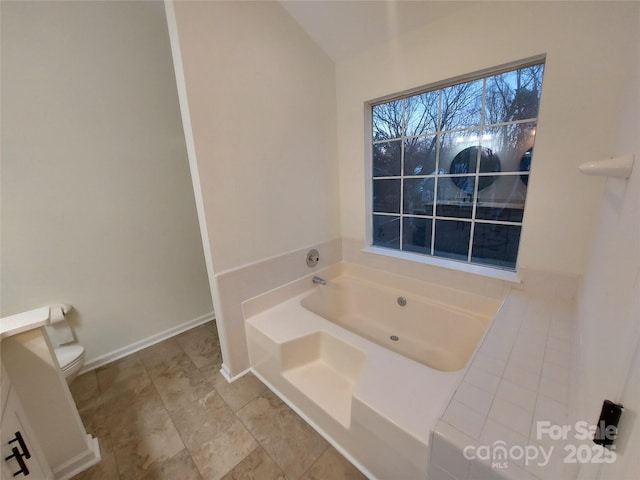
(224, 371)
(79, 463)
(144, 343)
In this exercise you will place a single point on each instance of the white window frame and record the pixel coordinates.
(369, 247)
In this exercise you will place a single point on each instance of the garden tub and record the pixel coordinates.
(370, 359)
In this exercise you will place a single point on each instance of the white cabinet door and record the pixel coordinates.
(14, 425)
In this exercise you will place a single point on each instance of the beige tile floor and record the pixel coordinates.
(166, 412)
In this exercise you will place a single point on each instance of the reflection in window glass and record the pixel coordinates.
(452, 239)
(416, 234)
(452, 144)
(450, 167)
(495, 244)
(386, 231)
(386, 196)
(387, 159)
(503, 201)
(420, 155)
(510, 143)
(455, 197)
(466, 162)
(418, 196)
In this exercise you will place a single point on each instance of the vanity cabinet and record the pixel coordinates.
(21, 454)
(37, 403)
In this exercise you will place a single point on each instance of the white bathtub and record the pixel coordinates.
(327, 351)
(423, 329)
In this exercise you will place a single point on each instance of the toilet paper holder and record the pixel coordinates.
(58, 311)
(58, 326)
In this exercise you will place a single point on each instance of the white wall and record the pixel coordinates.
(97, 203)
(261, 98)
(609, 304)
(585, 47)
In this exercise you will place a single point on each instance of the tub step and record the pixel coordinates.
(326, 387)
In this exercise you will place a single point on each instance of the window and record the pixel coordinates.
(450, 167)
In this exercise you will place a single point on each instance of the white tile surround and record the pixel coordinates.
(519, 376)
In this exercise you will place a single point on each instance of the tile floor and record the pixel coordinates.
(166, 412)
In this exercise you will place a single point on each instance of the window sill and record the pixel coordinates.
(497, 273)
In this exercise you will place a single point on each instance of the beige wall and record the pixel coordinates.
(586, 44)
(262, 102)
(97, 203)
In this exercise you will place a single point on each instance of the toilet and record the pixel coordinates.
(71, 359)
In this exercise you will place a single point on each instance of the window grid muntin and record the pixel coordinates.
(432, 245)
(481, 127)
(402, 145)
(476, 182)
(454, 130)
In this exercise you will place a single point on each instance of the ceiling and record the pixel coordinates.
(345, 28)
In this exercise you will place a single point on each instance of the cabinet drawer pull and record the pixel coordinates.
(18, 456)
(25, 451)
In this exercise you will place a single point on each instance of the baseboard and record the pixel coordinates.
(81, 462)
(146, 342)
(224, 371)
